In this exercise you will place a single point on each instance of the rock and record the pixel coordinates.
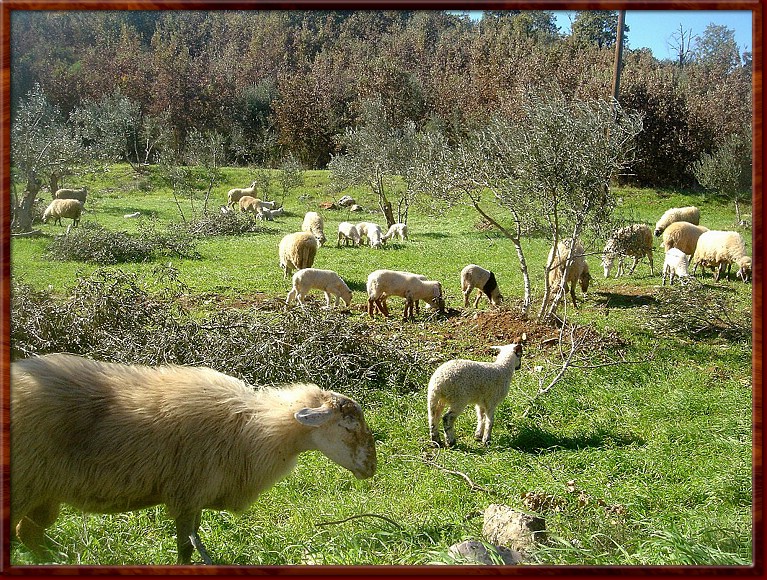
(328, 205)
(356, 207)
(505, 526)
(346, 201)
(476, 552)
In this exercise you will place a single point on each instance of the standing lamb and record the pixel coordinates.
(634, 240)
(63, 208)
(313, 223)
(297, 251)
(398, 229)
(473, 276)
(675, 264)
(412, 287)
(719, 250)
(682, 235)
(348, 234)
(577, 271)
(689, 214)
(372, 232)
(107, 437)
(326, 280)
(79, 194)
(460, 382)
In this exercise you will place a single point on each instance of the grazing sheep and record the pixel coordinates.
(253, 204)
(682, 235)
(372, 233)
(297, 251)
(577, 271)
(269, 214)
(719, 250)
(78, 194)
(326, 280)
(63, 208)
(348, 234)
(473, 276)
(412, 287)
(398, 229)
(107, 437)
(634, 240)
(689, 214)
(233, 195)
(314, 224)
(460, 382)
(675, 264)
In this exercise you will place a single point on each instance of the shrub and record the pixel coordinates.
(226, 224)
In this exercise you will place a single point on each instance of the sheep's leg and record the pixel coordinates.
(31, 528)
(649, 259)
(291, 296)
(466, 296)
(187, 539)
(435, 410)
(408, 312)
(634, 264)
(476, 300)
(478, 434)
(327, 300)
(448, 424)
(488, 426)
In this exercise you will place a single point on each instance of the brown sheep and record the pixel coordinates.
(63, 208)
(297, 251)
(577, 271)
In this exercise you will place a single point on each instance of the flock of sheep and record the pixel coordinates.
(80, 428)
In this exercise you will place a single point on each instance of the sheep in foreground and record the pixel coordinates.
(396, 230)
(719, 250)
(372, 232)
(675, 265)
(107, 437)
(233, 195)
(689, 214)
(79, 194)
(384, 283)
(63, 208)
(473, 276)
(314, 224)
(326, 280)
(682, 235)
(348, 234)
(634, 240)
(460, 382)
(297, 251)
(577, 270)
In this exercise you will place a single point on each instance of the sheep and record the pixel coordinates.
(460, 382)
(297, 251)
(634, 240)
(689, 214)
(269, 214)
(682, 235)
(372, 232)
(384, 283)
(79, 194)
(398, 229)
(326, 280)
(577, 271)
(233, 195)
(253, 204)
(347, 233)
(63, 208)
(473, 276)
(675, 264)
(720, 249)
(106, 437)
(314, 224)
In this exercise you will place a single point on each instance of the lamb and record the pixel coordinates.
(297, 251)
(106, 437)
(63, 208)
(233, 195)
(269, 214)
(473, 276)
(79, 194)
(372, 232)
(314, 224)
(384, 283)
(689, 214)
(253, 204)
(398, 229)
(460, 382)
(634, 240)
(326, 280)
(720, 249)
(682, 235)
(577, 271)
(675, 264)
(347, 233)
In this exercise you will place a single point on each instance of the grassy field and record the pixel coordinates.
(642, 463)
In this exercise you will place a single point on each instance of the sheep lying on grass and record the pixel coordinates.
(577, 271)
(682, 235)
(348, 234)
(719, 249)
(675, 264)
(79, 194)
(399, 230)
(110, 438)
(412, 287)
(297, 251)
(314, 224)
(63, 208)
(689, 214)
(460, 382)
(473, 276)
(634, 240)
(326, 280)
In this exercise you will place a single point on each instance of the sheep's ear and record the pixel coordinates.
(313, 417)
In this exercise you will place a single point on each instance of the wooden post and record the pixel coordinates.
(618, 54)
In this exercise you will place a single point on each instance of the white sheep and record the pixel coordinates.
(269, 214)
(372, 232)
(254, 205)
(689, 214)
(675, 265)
(461, 382)
(79, 194)
(348, 234)
(473, 276)
(297, 251)
(63, 208)
(233, 195)
(682, 235)
(107, 437)
(398, 229)
(577, 270)
(326, 280)
(412, 287)
(719, 250)
(634, 240)
(314, 224)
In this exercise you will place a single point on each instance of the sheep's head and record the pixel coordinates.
(515, 349)
(585, 279)
(744, 268)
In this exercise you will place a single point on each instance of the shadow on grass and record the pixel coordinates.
(530, 438)
(616, 300)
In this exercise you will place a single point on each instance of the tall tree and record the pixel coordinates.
(597, 27)
(716, 48)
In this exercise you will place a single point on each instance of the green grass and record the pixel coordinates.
(661, 448)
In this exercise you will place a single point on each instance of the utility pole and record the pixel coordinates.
(618, 54)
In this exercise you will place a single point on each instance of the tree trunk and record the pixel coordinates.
(22, 217)
(384, 204)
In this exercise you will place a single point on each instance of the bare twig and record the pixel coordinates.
(366, 515)
(466, 478)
